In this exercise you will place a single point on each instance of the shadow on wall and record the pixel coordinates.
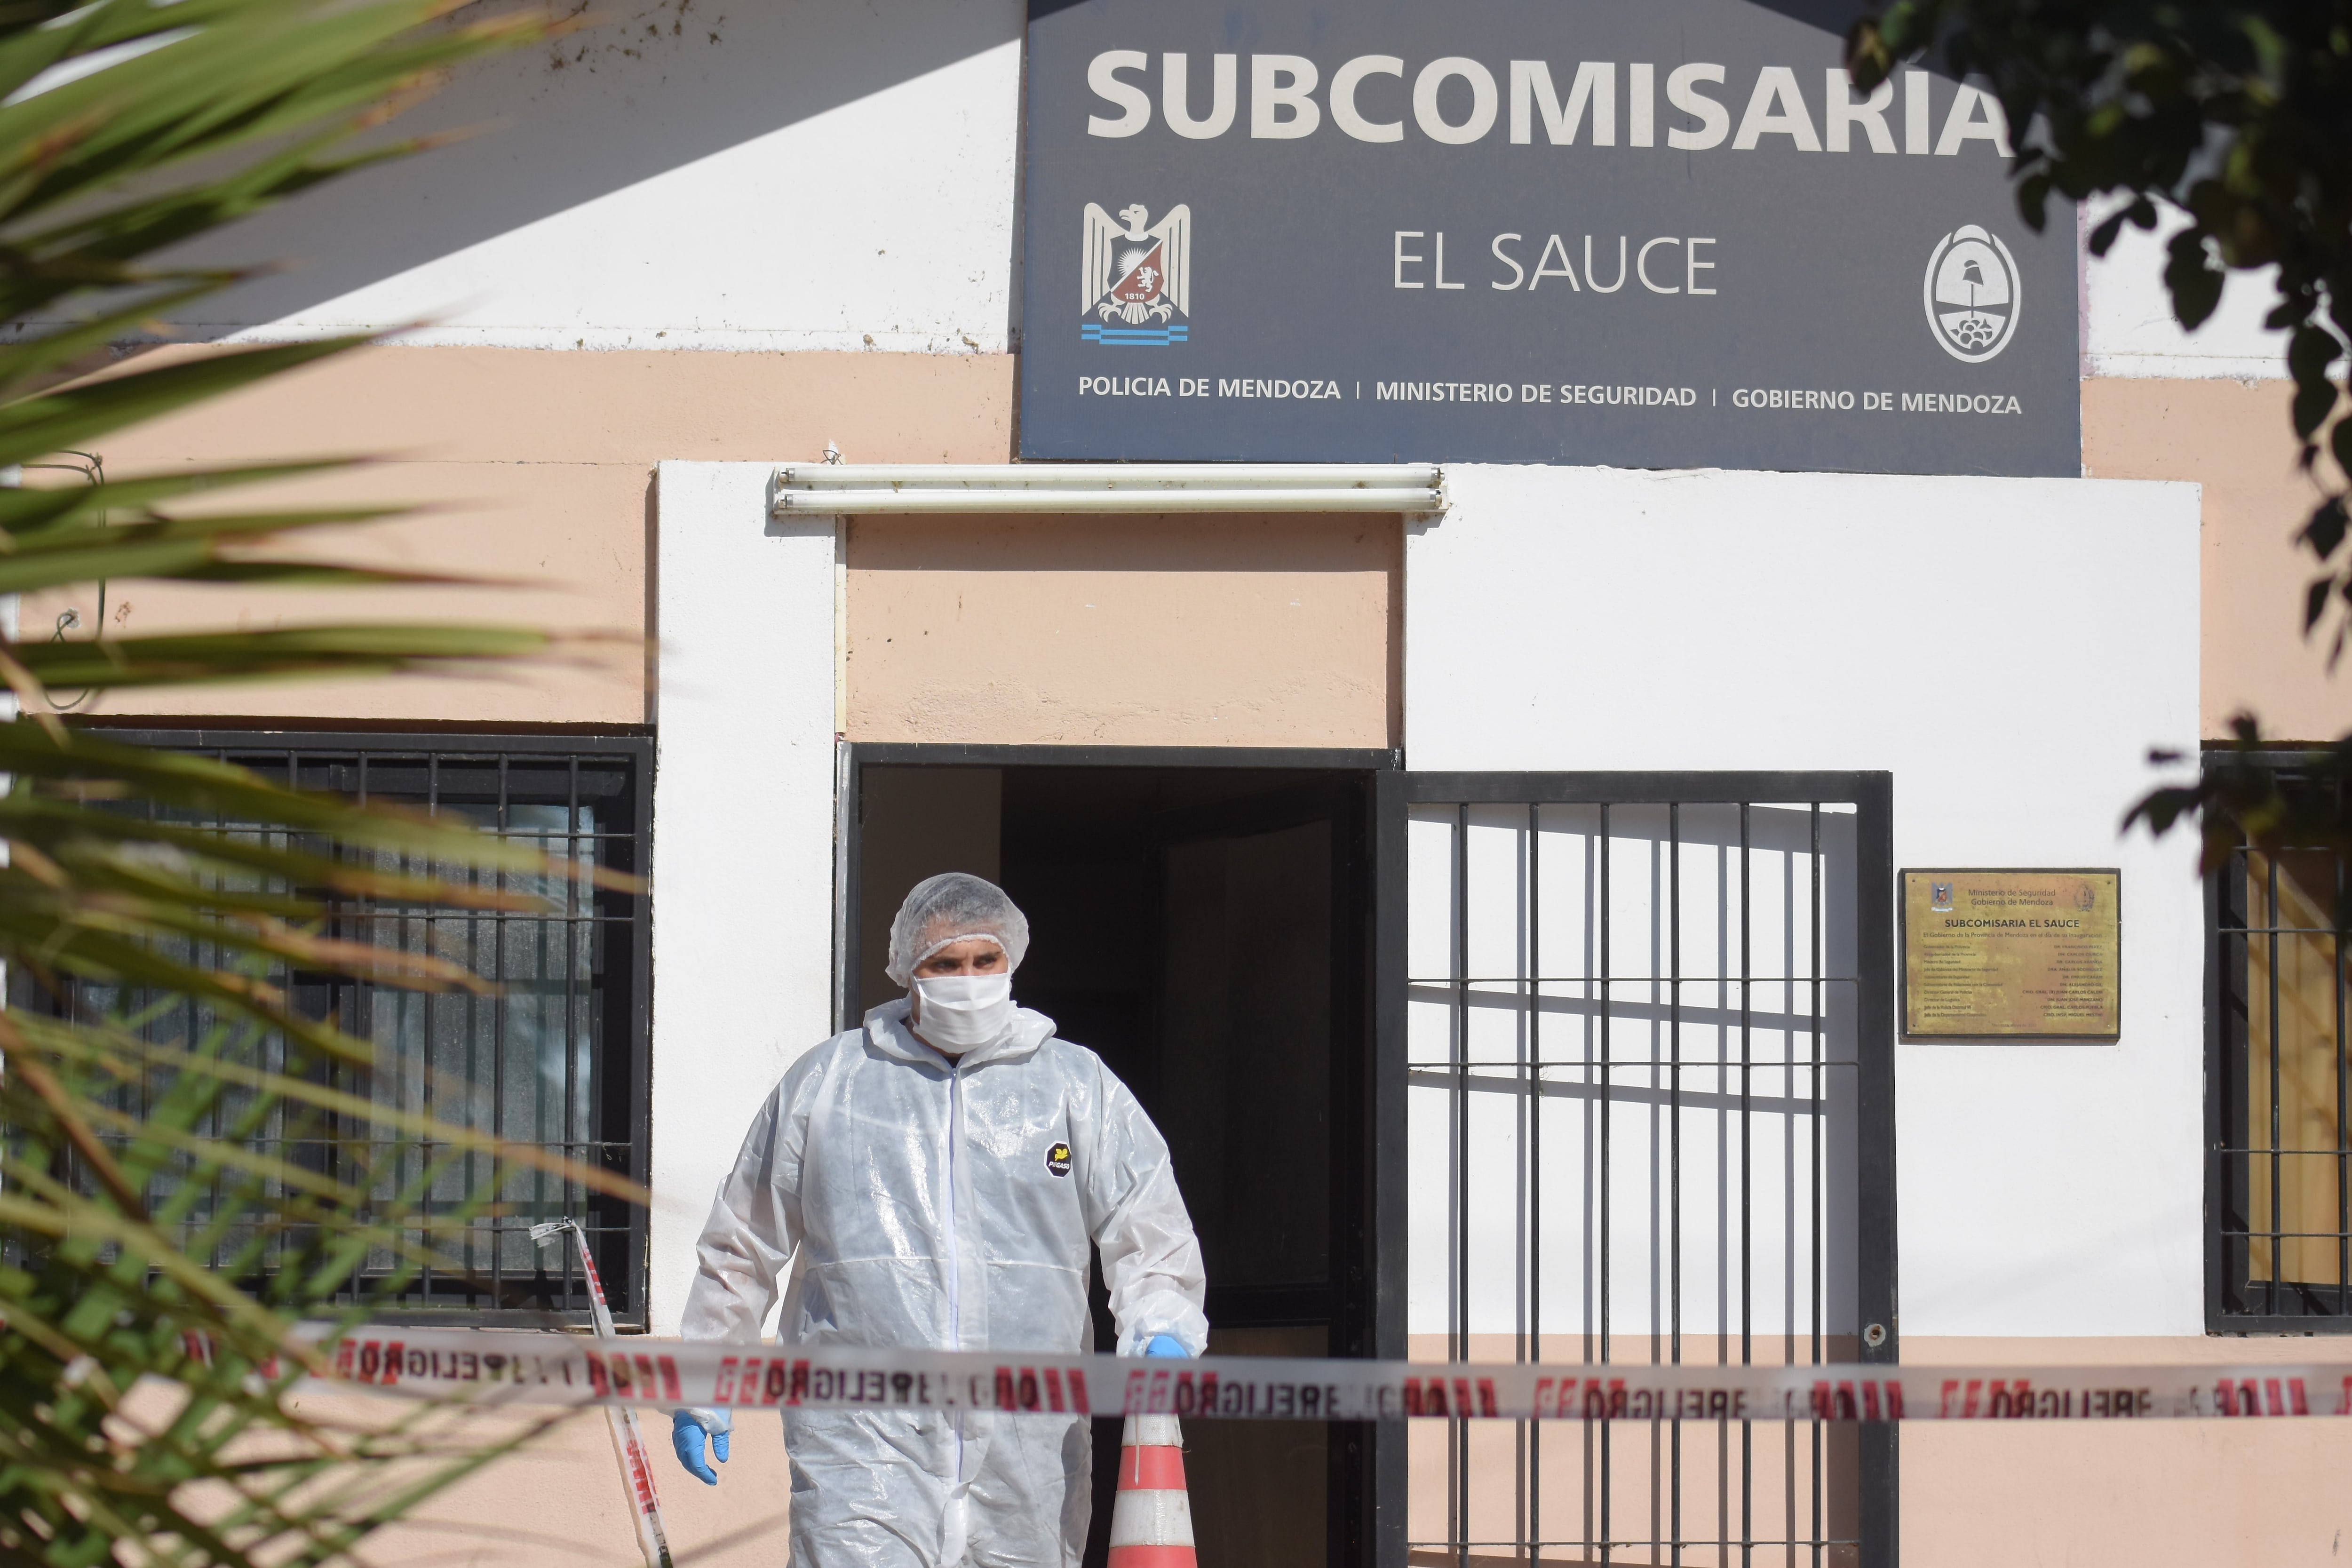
(655, 85)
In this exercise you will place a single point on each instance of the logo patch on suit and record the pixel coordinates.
(1057, 1158)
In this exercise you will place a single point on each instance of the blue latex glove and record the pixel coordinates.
(686, 1433)
(1161, 1344)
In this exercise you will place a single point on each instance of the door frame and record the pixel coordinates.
(1366, 1523)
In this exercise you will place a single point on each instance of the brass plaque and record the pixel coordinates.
(2001, 954)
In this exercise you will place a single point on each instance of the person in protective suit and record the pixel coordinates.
(933, 1179)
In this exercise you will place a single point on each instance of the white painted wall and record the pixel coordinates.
(742, 868)
(2128, 327)
(2009, 649)
(795, 175)
(792, 176)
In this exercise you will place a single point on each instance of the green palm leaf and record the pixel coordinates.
(192, 1164)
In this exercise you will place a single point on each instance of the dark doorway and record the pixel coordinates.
(1207, 929)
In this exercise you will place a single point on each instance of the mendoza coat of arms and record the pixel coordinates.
(1139, 279)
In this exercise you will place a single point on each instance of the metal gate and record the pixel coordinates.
(1649, 1041)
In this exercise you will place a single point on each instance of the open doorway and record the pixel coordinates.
(1205, 923)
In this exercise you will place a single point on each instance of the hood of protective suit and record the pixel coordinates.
(887, 1027)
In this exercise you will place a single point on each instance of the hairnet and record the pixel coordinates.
(947, 908)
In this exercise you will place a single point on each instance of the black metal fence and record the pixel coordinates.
(552, 1057)
(2279, 1179)
(1650, 1043)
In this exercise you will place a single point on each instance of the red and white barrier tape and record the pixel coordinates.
(628, 1439)
(494, 1366)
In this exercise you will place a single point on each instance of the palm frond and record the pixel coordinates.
(193, 1163)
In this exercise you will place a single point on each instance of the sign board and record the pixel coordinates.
(1997, 955)
(1658, 236)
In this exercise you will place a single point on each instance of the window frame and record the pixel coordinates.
(626, 1063)
(2227, 1059)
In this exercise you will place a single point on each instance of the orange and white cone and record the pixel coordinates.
(1151, 1517)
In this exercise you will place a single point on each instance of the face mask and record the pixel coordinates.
(962, 1012)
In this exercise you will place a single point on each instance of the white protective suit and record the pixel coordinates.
(920, 1203)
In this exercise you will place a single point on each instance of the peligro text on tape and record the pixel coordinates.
(495, 1366)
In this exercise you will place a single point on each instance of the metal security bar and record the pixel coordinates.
(1649, 1065)
(2279, 1182)
(554, 1056)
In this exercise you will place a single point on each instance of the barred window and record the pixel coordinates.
(2279, 1186)
(554, 1056)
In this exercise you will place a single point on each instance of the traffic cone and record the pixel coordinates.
(1151, 1515)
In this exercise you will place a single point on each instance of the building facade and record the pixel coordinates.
(1494, 901)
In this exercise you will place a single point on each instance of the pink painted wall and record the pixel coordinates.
(2157, 1494)
(2233, 439)
(534, 469)
(1236, 630)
